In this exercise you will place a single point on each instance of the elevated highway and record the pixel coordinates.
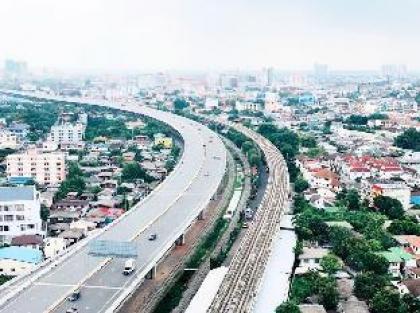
(167, 211)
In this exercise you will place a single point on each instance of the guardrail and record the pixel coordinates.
(46, 266)
(242, 282)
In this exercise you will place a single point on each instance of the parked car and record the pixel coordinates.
(152, 237)
(72, 310)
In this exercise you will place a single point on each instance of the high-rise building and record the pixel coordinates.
(45, 168)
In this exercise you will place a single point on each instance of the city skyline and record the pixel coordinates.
(197, 35)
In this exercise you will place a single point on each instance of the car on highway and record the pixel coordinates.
(129, 266)
(75, 295)
(152, 237)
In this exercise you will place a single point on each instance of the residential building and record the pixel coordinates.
(395, 190)
(20, 130)
(29, 241)
(310, 259)
(18, 260)
(399, 261)
(67, 135)
(19, 212)
(161, 139)
(46, 168)
(8, 140)
(54, 246)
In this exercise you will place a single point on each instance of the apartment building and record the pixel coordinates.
(45, 168)
(19, 212)
(67, 135)
(8, 140)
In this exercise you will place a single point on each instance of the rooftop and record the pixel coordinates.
(17, 193)
(21, 254)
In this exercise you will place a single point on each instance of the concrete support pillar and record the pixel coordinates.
(180, 241)
(152, 273)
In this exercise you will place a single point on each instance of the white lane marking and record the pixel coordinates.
(79, 286)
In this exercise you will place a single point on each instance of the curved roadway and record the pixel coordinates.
(167, 211)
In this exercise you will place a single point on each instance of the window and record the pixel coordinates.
(8, 218)
(5, 228)
(20, 207)
(31, 226)
(20, 217)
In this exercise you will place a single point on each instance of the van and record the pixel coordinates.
(129, 266)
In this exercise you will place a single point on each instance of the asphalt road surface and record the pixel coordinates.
(168, 211)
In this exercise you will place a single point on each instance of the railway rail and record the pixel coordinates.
(240, 286)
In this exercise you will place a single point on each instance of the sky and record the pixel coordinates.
(210, 34)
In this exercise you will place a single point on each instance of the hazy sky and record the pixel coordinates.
(210, 34)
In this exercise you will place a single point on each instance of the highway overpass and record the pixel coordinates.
(167, 211)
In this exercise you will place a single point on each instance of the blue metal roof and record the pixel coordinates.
(17, 193)
(20, 180)
(21, 254)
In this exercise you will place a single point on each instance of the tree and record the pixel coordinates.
(133, 171)
(288, 307)
(366, 285)
(357, 120)
(404, 226)
(353, 200)
(45, 212)
(71, 184)
(386, 300)
(301, 184)
(180, 104)
(308, 141)
(389, 206)
(330, 264)
(409, 139)
(418, 98)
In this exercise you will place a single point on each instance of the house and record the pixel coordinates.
(17, 260)
(413, 286)
(63, 217)
(311, 308)
(83, 225)
(72, 205)
(29, 241)
(353, 305)
(72, 235)
(396, 190)
(54, 246)
(399, 261)
(161, 139)
(310, 259)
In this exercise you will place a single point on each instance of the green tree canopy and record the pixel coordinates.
(409, 139)
(389, 206)
(330, 264)
(133, 171)
(288, 307)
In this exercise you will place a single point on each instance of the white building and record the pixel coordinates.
(8, 140)
(54, 246)
(247, 106)
(20, 209)
(211, 103)
(18, 260)
(67, 135)
(45, 168)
